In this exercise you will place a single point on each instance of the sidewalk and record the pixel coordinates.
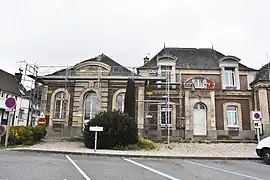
(175, 150)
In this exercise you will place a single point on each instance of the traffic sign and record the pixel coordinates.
(2, 130)
(41, 122)
(95, 128)
(256, 115)
(10, 102)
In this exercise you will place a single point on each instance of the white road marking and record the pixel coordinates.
(78, 168)
(151, 169)
(223, 170)
(264, 165)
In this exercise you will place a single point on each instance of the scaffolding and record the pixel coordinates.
(31, 95)
(118, 75)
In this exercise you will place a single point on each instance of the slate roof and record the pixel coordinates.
(116, 68)
(10, 84)
(193, 58)
(263, 73)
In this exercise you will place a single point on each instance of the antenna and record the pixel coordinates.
(21, 64)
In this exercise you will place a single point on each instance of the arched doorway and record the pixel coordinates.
(92, 106)
(199, 120)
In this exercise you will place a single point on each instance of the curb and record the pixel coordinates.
(136, 155)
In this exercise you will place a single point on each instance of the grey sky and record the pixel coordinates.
(65, 32)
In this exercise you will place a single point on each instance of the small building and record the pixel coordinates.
(261, 93)
(10, 86)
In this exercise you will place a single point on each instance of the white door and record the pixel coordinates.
(199, 120)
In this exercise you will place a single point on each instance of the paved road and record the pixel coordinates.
(28, 166)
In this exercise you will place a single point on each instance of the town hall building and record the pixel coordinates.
(193, 93)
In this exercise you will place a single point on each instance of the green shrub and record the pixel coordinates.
(145, 143)
(22, 135)
(118, 130)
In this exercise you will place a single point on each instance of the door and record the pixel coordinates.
(199, 120)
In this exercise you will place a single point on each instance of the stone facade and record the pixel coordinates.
(211, 95)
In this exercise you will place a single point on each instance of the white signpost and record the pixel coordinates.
(10, 104)
(257, 117)
(96, 129)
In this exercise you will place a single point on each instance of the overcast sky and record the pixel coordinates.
(65, 32)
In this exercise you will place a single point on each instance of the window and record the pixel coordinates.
(120, 102)
(60, 106)
(232, 117)
(166, 71)
(164, 114)
(92, 106)
(229, 77)
(199, 83)
(21, 112)
(199, 106)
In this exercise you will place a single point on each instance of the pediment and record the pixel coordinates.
(209, 83)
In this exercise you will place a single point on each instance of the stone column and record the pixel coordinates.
(264, 105)
(222, 77)
(237, 78)
(187, 114)
(213, 111)
(44, 97)
(140, 108)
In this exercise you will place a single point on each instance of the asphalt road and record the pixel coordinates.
(36, 166)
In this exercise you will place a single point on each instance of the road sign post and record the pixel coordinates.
(96, 129)
(10, 104)
(257, 117)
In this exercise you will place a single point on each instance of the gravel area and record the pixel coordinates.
(174, 149)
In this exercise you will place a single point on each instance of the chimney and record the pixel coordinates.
(146, 59)
(18, 76)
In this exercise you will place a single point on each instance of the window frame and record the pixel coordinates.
(122, 94)
(61, 114)
(232, 113)
(166, 71)
(93, 111)
(198, 84)
(162, 113)
(228, 76)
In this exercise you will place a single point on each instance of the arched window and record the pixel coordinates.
(199, 106)
(60, 105)
(92, 106)
(232, 116)
(120, 102)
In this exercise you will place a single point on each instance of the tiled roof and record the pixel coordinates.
(192, 58)
(263, 73)
(116, 68)
(9, 83)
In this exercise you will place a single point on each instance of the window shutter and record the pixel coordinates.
(223, 80)
(204, 83)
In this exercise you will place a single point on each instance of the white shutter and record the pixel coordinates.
(222, 80)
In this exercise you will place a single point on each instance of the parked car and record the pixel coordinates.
(263, 149)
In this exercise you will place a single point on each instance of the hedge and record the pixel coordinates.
(22, 135)
(119, 129)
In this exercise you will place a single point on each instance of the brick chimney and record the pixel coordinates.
(146, 59)
(18, 76)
